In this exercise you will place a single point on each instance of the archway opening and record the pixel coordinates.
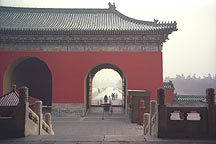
(33, 73)
(107, 82)
(95, 91)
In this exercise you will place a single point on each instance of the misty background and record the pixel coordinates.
(192, 84)
(103, 80)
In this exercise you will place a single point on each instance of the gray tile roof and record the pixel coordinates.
(190, 97)
(12, 99)
(189, 100)
(51, 19)
(168, 85)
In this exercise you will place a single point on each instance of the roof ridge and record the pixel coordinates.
(132, 19)
(20, 18)
(137, 21)
(78, 10)
(56, 10)
(84, 10)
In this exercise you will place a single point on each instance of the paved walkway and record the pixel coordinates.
(115, 129)
(93, 124)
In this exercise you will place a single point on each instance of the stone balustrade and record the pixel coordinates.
(146, 124)
(187, 122)
(153, 117)
(33, 116)
(24, 121)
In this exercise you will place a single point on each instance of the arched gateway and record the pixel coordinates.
(33, 73)
(92, 73)
(75, 44)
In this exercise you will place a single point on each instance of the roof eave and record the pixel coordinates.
(84, 32)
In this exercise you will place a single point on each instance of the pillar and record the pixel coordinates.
(38, 111)
(21, 119)
(153, 107)
(48, 121)
(153, 118)
(13, 87)
(146, 124)
(23, 93)
(162, 115)
(210, 97)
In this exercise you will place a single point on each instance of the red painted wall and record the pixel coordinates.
(169, 96)
(143, 70)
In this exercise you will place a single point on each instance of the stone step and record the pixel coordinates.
(115, 110)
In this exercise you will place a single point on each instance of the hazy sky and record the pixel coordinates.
(101, 73)
(106, 78)
(190, 50)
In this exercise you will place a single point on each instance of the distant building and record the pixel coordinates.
(189, 100)
(56, 52)
(169, 91)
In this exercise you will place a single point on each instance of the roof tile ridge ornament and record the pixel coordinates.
(156, 21)
(111, 6)
(172, 23)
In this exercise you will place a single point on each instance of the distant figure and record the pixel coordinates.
(105, 99)
(112, 96)
(110, 107)
(115, 96)
(110, 100)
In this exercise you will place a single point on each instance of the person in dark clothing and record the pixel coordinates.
(112, 96)
(105, 99)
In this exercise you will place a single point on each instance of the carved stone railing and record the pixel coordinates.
(33, 116)
(45, 127)
(187, 122)
(146, 124)
(153, 118)
(150, 120)
(48, 122)
(24, 121)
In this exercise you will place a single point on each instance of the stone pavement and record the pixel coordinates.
(114, 129)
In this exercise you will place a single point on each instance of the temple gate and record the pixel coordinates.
(68, 46)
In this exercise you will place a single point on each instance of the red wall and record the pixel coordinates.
(143, 70)
(169, 96)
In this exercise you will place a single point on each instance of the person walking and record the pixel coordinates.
(110, 107)
(105, 99)
(112, 96)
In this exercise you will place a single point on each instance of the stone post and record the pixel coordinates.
(146, 124)
(162, 115)
(210, 97)
(153, 107)
(38, 111)
(142, 107)
(153, 118)
(48, 121)
(13, 87)
(22, 113)
(161, 96)
(23, 93)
